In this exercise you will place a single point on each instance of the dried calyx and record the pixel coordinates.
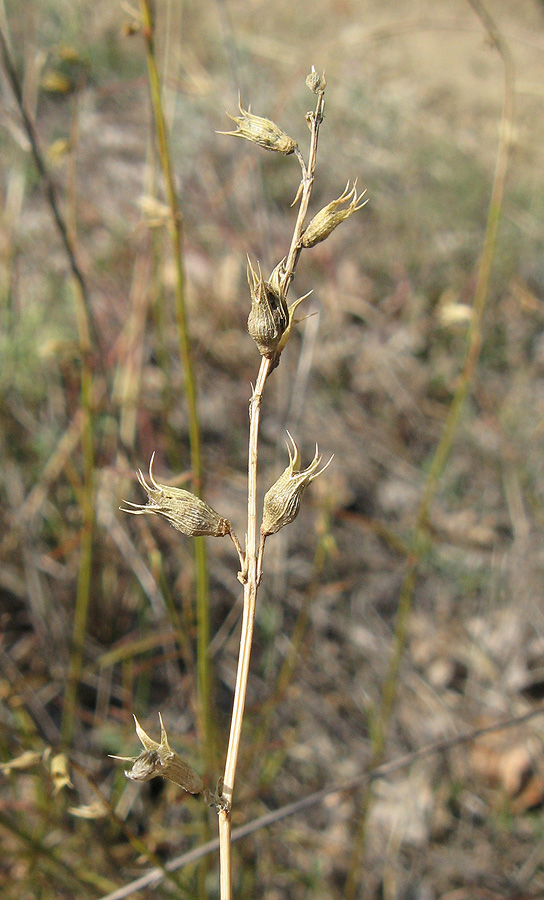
(270, 319)
(185, 511)
(316, 82)
(328, 218)
(269, 315)
(160, 760)
(261, 131)
(282, 501)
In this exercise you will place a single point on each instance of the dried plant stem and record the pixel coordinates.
(308, 172)
(246, 638)
(83, 592)
(254, 547)
(176, 234)
(443, 450)
(88, 341)
(50, 192)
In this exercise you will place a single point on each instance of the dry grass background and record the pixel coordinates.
(413, 109)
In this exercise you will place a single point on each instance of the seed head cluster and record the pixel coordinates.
(270, 323)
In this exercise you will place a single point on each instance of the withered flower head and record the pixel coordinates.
(316, 82)
(328, 218)
(261, 131)
(23, 761)
(185, 511)
(160, 760)
(269, 316)
(60, 772)
(282, 501)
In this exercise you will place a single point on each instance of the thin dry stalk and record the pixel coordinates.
(254, 549)
(50, 192)
(248, 620)
(443, 450)
(206, 727)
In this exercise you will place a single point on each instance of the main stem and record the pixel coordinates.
(253, 558)
(246, 637)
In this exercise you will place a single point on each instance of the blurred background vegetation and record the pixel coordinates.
(98, 613)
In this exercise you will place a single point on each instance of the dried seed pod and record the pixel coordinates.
(60, 772)
(185, 511)
(328, 218)
(160, 760)
(317, 83)
(282, 501)
(261, 131)
(96, 810)
(269, 315)
(20, 763)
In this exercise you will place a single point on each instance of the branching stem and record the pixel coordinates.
(314, 120)
(253, 559)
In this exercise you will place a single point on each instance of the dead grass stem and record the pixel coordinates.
(444, 448)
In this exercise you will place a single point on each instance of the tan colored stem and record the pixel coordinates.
(246, 637)
(252, 568)
(308, 172)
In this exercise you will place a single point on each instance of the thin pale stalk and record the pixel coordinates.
(50, 192)
(87, 445)
(176, 234)
(443, 450)
(152, 878)
(308, 173)
(246, 637)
